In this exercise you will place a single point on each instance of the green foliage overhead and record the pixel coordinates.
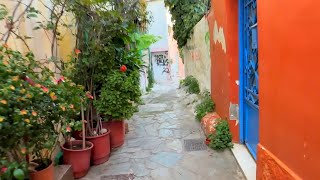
(222, 137)
(185, 15)
(206, 106)
(192, 85)
(143, 41)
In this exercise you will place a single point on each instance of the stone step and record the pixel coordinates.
(63, 172)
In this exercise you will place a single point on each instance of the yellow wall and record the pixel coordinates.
(41, 40)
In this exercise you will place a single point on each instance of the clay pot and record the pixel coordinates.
(101, 149)
(117, 133)
(47, 173)
(78, 158)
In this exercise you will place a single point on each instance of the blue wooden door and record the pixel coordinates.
(250, 84)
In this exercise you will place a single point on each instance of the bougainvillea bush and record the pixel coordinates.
(34, 108)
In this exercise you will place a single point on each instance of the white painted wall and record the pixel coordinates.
(159, 24)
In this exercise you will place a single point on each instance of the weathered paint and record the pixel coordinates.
(196, 55)
(270, 167)
(288, 35)
(224, 60)
(218, 36)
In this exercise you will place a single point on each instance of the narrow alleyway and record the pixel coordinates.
(155, 146)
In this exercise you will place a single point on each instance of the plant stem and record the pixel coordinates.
(83, 129)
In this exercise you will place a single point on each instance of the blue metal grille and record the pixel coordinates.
(251, 86)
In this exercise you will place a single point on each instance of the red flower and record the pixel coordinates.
(23, 150)
(61, 79)
(207, 141)
(77, 51)
(68, 129)
(88, 94)
(26, 78)
(45, 89)
(4, 169)
(123, 68)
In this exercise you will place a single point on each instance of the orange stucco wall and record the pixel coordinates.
(288, 37)
(223, 25)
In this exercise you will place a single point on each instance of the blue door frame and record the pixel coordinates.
(249, 85)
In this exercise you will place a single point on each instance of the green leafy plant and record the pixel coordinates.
(110, 37)
(192, 85)
(19, 116)
(33, 105)
(120, 96)
(222, 138)
(186, 14)
(150, 79)
(205, 106)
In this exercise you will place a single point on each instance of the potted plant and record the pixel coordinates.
(118, 101)
(24, 127)
(97, 135)
(120, 94)
(76, 153)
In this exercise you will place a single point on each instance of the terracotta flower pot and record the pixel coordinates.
(117, 133)
(101, 148)
(78, 158)
(47, 173)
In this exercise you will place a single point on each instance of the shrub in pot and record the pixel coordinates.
(97, 135)
(33, 109)
(24, 126)
(118, 101)
(76, 153)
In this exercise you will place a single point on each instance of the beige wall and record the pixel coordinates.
(196, 55)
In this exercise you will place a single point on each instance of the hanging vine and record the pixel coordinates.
(185, 15)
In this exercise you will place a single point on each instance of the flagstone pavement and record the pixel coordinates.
(155, 149)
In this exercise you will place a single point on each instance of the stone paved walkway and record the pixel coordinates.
(154, 147)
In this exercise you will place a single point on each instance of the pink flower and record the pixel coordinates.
(77, 51)
(26, 78)
(68, 129)
(61, 79)
(45, 89)
(23, 150)
(88, 94)
(4, 169)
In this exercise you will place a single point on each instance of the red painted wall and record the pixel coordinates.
(225, 65)
(289, 63)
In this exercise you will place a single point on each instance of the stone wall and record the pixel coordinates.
(196, 55)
